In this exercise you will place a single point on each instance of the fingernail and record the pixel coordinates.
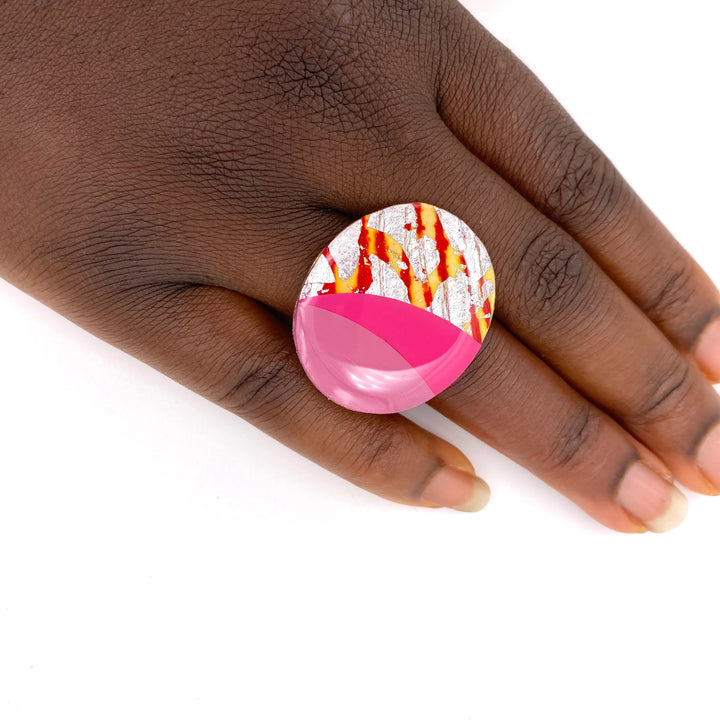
(707, 351)
(708, 456)
(454, 488)
(658, 504)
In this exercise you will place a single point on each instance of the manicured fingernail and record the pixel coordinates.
(707, 351)
(657, 504)
(708, 456)
(454, 488)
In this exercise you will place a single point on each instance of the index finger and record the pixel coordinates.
(505, 115)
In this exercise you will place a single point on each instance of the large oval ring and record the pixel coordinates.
(394, 309)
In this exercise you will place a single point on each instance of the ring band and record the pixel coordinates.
(394, 309)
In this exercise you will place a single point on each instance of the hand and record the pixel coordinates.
(171, 170)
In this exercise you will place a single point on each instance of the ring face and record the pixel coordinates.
(394, 309)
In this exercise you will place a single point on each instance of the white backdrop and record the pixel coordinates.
(162, 558)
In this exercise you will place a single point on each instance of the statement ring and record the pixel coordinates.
(394, 309)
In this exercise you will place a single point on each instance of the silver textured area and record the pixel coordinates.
(423, 256)
(456, 305)
(386, 281)
(464, 240)
(488, 289)
(345, 250)
(320, 273)
(392, 221)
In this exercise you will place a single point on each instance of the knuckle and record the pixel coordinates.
(316, 65)
(585, 187)
(667, 383)
(675, 294)
(552, 272)
(109, 248)
(377, 460)
(574, 437)
(261, 389)
(341, 64)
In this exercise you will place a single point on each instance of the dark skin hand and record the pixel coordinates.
(169, 171)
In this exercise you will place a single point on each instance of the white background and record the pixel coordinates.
(161, 558)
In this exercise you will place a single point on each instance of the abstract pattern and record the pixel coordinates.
(395, 308)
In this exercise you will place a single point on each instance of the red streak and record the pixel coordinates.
(364, 279)
(381, 247)
(329, 287)
(420, 229)
(474, 322)
(443, 246)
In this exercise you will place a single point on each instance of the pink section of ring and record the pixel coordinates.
(398, 355)
(352, 366)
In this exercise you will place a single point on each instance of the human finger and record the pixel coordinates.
(510, 399)
(239, 354)
(508, 119)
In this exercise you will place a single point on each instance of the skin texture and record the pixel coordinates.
(169, 171)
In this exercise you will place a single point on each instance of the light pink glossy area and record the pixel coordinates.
(352, 366)
(376, 354)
